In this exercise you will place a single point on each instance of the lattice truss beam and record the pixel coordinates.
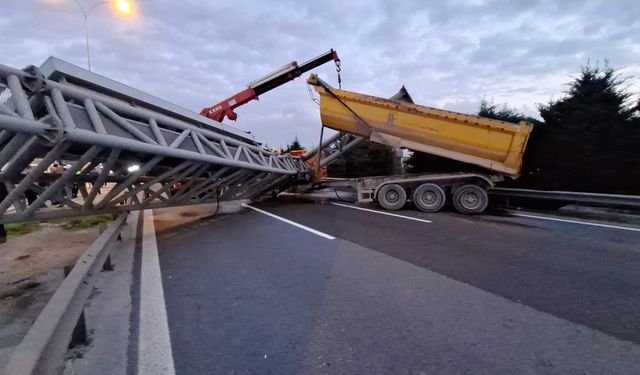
(102, 136)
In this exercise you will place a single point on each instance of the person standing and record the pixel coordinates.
(57, 169)
(30, 194)
(98, 170)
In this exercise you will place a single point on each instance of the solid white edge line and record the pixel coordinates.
(381, 212)
(155, 356)
(290, 222)
(576, 222)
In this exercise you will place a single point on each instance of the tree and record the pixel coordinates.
(589, 139)
(503, 113)
(294, 146)
(596, 100)
(365, 159)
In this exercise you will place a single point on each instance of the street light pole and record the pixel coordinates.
(122, 5)
(85, 14)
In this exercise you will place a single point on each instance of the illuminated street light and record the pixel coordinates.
(122, 6)
(133, 168)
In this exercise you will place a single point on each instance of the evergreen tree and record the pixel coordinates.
(589, 139)
(294, 146)
(596, 100)
(503, 113)
(365, 159)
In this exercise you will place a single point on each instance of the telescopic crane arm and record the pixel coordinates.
(256, 88)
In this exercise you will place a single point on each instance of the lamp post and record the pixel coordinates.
(123, 6)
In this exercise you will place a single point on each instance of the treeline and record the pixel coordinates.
(588, 140)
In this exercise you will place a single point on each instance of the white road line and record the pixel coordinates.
(577, 222)
(154, 344)
(291, 222)
(381, 212)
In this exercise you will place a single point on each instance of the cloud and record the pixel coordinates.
(449, 54)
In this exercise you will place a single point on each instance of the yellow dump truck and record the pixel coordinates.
(496, 146)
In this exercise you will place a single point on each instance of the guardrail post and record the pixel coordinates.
(67, 269)
(107, 266)
(79, 335)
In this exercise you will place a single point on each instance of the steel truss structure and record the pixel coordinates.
(102, 131)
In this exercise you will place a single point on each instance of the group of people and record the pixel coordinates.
(68, 191)
(57, 168)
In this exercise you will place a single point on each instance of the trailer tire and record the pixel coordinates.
(429, 197)
(392, 197)
(470, 199)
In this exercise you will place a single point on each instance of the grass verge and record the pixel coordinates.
(86, 222)
(21, 228)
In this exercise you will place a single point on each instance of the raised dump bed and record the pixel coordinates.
(495, 145)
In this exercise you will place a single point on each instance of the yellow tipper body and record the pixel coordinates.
(492, 144)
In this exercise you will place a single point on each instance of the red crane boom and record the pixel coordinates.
(281, 76)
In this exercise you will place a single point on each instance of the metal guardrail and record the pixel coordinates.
(610, 200)
(43, 348)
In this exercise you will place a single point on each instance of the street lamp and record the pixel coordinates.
(122, 6)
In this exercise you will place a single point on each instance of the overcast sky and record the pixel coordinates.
(449, 54)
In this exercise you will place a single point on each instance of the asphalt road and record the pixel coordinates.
(251, 294)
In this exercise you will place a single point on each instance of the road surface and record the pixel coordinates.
(295, 288)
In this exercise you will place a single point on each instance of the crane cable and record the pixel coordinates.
(317, 101)
(338, 70)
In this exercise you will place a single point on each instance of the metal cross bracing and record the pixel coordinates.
(333, 147)
(101, 134)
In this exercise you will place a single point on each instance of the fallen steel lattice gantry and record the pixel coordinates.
(103, 128)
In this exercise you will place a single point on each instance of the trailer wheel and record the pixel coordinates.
(392, 197)
(470, 199)
(429, 197)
